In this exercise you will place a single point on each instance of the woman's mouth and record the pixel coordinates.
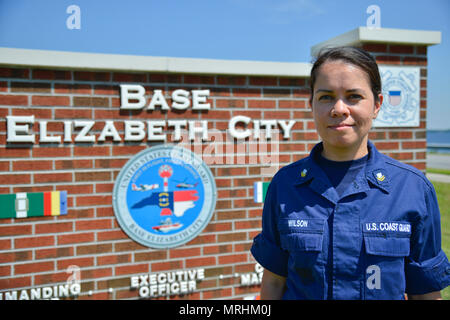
(340, 126)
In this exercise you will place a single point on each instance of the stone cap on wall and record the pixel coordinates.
(380, 35)
(133, 63)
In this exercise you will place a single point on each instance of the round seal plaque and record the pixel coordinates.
(164, 197)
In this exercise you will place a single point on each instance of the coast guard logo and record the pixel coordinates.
(164, 197)
(401, 92)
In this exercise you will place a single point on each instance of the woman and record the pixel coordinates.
(348, 222)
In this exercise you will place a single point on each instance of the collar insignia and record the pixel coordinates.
(303, 173)
(380, 177)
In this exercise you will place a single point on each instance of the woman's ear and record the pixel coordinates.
(378, 104)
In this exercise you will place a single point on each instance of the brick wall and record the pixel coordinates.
(36, 252)
(404, 144)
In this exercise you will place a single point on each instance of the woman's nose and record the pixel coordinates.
(339, 109)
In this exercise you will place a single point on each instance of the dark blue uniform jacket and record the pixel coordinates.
(379, 240)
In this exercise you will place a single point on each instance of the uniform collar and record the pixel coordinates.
(375, 170)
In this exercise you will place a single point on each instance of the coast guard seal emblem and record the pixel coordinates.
(401, 97)
(164, 197)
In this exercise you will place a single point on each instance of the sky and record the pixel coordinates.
(261, 30)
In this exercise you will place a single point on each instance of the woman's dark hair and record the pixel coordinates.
(352, 55)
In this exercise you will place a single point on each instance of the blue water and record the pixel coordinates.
(439, 137)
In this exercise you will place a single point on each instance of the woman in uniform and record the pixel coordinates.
(348, 222)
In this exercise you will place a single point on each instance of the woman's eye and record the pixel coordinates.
(354, 97)
(325, 97)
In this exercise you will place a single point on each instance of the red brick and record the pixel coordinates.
(53, 227)
(179, 253)
(292, 82)
(96, 273)
(419, 165)
(75, 238)
(80, 262)
(129, 77)
(301, 93)
(34, 267)
(246, 92)
(77, 113)
(225, 248)
(89, 150)
(90, 102)
(13, 283)
(30, 87)
(262, 104)
(93, 224)
(388, 59)
(263, 81)
(415, 61)
(73, 88)
(197, 262)
(50, 278)
(421, 49)
(44, 151)
(92, 76)
(93, 176)
(54, 253)
(76, 189)
(94, 249)
(414, 144)
(106, 90)
(167, 265)
(7, 179)
(52, 177)
(111, 235)
(229, 237)
(44, 241)
(292, 104)
(15, 230)
(231, 80)
(7, 257)
(375, 47)
(401, 49)
(400, 135)
(149, 256)
(5, 244)
(218, 227)
(50, 101)
(73, 164)
(401, 155)
(233, 258)
(14, 73)
(5, 271)
(303, 115)
(386, 145)
(114, 259)
(13, 100)
(195, 79)
(126, 150)
(216, 294)
(38, 114)
(285, 115)
(52, 74)
(32, 165)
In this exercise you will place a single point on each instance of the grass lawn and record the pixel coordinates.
(440, 171)
(443, 196)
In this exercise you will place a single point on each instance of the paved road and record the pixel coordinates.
(438, 177)
(438, 161)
